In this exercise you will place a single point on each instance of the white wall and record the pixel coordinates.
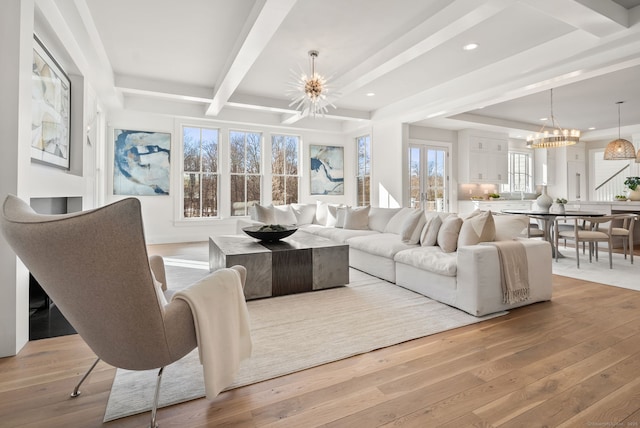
(387, 166)
(161, 214)
(16, 29)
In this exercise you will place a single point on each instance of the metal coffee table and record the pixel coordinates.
(300, 263)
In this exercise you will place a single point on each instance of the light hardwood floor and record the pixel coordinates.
(571, 362)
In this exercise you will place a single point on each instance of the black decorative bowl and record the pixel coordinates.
(269, 236)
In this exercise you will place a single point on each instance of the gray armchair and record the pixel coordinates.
(94, 266)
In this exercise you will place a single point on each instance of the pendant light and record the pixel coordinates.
(620, 149)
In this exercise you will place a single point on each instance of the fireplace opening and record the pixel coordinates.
(45, 319)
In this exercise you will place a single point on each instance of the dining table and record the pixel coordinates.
(548, 218)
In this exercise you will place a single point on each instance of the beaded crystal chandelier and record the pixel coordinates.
(309, 93)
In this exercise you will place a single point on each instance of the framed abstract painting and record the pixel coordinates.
(142, 161)
(327, 170)
(51, 109)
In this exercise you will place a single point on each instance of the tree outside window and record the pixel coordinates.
(200, 172)
(284, 169)
(363, 178)
(245, 151)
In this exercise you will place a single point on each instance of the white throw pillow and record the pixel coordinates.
(396, 222)
(332, 215)
(357, 218)
(304, 213)
(379, 217)
(477, 228)
(265, 214)
(510, 226)
(448, 233)
(322, 213)
(341, 216)
(429, 235)
(284, 215)
(412, 227)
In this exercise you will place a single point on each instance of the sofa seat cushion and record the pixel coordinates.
(336, 234)
(431, 259)
(380, 244)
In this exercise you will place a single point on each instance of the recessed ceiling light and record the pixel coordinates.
(592, 128)
(544, 118)
(371, 94)
(470, 46)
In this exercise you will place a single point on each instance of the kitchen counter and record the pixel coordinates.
(607, 207)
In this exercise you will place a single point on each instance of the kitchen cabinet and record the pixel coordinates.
(465, 207)
(483, 158)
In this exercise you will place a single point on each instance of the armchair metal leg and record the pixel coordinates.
(154, 409)
(76, 390)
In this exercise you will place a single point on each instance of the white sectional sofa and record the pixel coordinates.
(440, 255)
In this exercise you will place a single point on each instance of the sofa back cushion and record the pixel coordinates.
(429, 234)
(305, 213)
(379, 217)
(510, 226)
(264, 214)
(477, 227)
(412, 227)
(396, 222)
(448, 233)
(357, 218)
(284, 215)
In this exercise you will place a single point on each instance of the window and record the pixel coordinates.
(363, 178)
(520, 173)
(284, 169)
(200, 172)
(245, 151)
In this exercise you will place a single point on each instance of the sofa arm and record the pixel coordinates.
(479, 290)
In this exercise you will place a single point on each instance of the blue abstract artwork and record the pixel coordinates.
(141, 163)
(327, 170)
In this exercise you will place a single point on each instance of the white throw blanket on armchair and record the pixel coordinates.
(222, 327)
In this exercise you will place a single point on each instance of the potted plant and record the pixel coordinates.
(632, 183)
(558, 207)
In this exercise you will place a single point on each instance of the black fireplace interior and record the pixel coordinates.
(45, 319)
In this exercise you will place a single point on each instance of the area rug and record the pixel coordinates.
(296, 332)
(624, 274)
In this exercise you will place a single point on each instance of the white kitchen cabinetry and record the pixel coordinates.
(465, 207)
(483, 158)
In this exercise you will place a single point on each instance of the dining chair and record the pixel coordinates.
(592, 231)
(625, 232)
(95, 267)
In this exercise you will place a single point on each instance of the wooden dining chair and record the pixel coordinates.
(591, 230)
(625, 231)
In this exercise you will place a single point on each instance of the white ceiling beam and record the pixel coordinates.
(573, 57)
(266, 17)
(451, 21)
(161, 89)
(93, 65)
(601, 18)
(289, 115)
(336, 114)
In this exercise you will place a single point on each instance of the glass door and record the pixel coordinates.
(428, 177)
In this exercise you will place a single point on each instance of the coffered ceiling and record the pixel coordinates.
(235, 60)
